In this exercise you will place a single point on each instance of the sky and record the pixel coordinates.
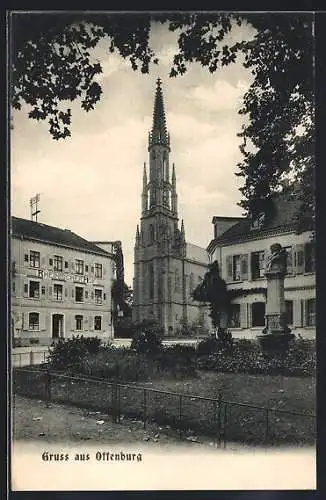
(91, 182)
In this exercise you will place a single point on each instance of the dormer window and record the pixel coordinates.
(258, 220)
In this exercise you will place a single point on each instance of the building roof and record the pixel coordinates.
(52, 235)
(282, 219)
(217, 218)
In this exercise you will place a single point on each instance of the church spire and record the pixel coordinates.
(159, 133)
(137, 237)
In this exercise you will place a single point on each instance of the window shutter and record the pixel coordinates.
(249, 316)
(86, 269)
(298, 264)
(304, 308)
(25, 321)
(244, 267)
(42, 321)
(66, 265)
(297, 314)
(72, 293)
(92, 269)
(244, 315)
(92, 295)
(26, 258)
(86, 294)
(104, 296)
(50, 262)
(26, 289)
(50, 290)
(265, 260)
(229, 268)
(289, 261)
(66, 292)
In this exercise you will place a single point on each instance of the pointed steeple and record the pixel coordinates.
(137, 241)
(144, 178)
(174, 196)
(159, 133)
(145, 191)
(183, 238)
(173, 177)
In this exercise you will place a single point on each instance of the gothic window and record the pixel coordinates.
(164, 170)
(150, 280)
(151, 233)
(177, 281)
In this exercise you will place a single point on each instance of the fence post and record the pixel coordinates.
(114, 402)
(266, 425)
(31, 358)
(118, 403)
(145, 408)
(219, 424)
(48, 388)
(180, 415)
(225, 424)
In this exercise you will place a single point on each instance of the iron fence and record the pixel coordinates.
(224, 421)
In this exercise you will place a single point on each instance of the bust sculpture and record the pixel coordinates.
(277, 259)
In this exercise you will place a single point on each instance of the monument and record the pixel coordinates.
(276, 335)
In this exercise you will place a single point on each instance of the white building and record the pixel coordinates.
(241, 247)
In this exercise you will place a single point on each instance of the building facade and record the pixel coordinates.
(60, 285)
(241, 246)
(166, 267)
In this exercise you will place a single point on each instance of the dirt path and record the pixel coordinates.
(33, 420)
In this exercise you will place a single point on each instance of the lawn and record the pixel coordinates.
(236, 423)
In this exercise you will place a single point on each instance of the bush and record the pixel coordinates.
(68, 354)
(116, 364)
(247, 357)
(210, 345)
(177, 360)
(147, 337)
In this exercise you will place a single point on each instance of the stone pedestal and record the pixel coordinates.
(276, 335)
(275, 305)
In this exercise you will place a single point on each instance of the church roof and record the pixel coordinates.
(282, 219)
(196, 253)
(52, 235)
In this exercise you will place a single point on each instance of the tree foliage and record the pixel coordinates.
(52, 64)
(213, 290)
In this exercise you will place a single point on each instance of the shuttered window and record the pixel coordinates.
(289, 260)
(236, 267)
(289, 312)
(311, 312)
(234, 316)
(258, 313)
(257, 265)
(310, 260)
(34, 321)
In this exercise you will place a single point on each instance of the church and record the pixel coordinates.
(166, 268)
